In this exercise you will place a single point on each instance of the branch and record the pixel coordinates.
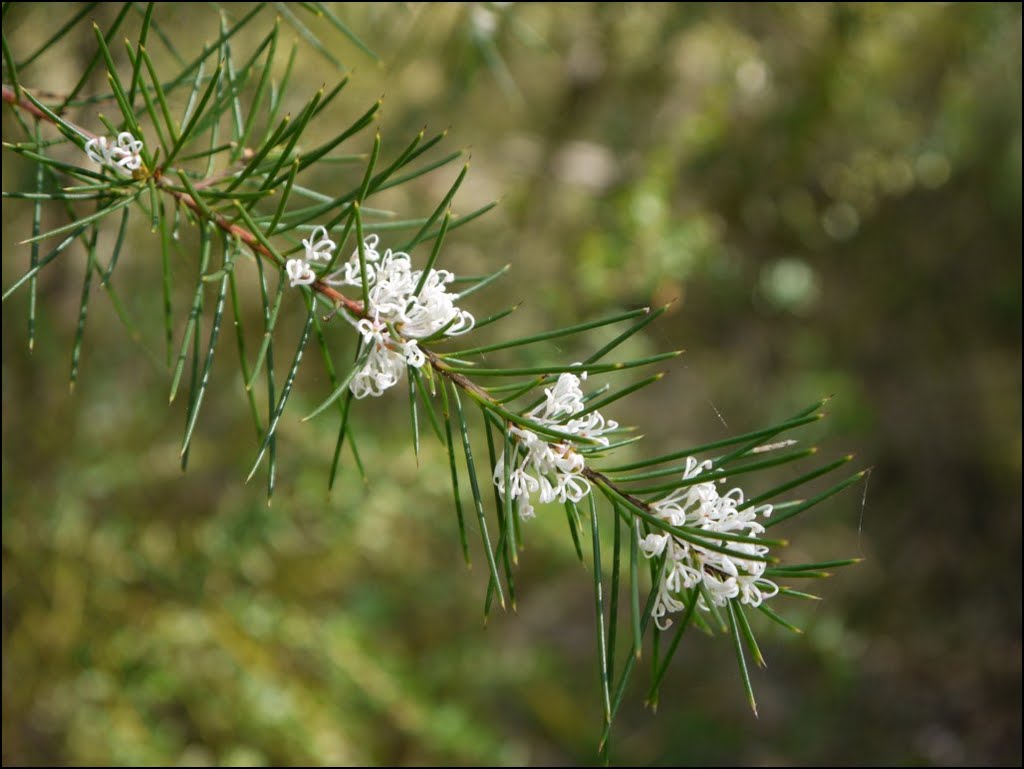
(10, 96)
(637, 507)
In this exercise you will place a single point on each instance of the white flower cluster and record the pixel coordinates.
(319, 248)
(724, 575)
(397, 316)
(122, 155)
(553, 470)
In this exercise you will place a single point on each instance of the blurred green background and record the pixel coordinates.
(831, 194)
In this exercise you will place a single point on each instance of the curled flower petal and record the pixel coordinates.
(319, 247)
(299, 272)
(97, 150)
(123, 155)
(555, 469)
(724, 576)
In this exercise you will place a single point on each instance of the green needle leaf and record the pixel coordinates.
(779, 514)
(613, 606)
(414, 415)
(756, 437)
(594, 368)
(285, 197)
(602, 648)
(165, 264)
(777, 618)
(713, 475)
(474, 485)
(441, 208)
(285, 392)
(450, 442)
(761, 498)
(734, 627)
(218, 314)
(306, 34)
(555, 334)
(87, 72)
(161, 97)
(681, 625)
(748, 634)
(34, 270)
(343, 385)
(343, 430)
(271, 322)
(137, 64)
(77, 223)
(236, 309)
(193, 116)
(83, 307)
(796, 569)
(572, 515)
(341, 27)
(428, 407)
(193, 316)
(634, 584)
(486, 281)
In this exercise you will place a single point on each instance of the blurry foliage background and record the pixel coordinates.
(831, 193)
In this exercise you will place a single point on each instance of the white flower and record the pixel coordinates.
(124, 155)
(552, 470)
(387, 361)
(97, 150)
(396, 315)
(725, 576)
(319, 247)
(393, 302)
(391, 287)
(299, 272)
